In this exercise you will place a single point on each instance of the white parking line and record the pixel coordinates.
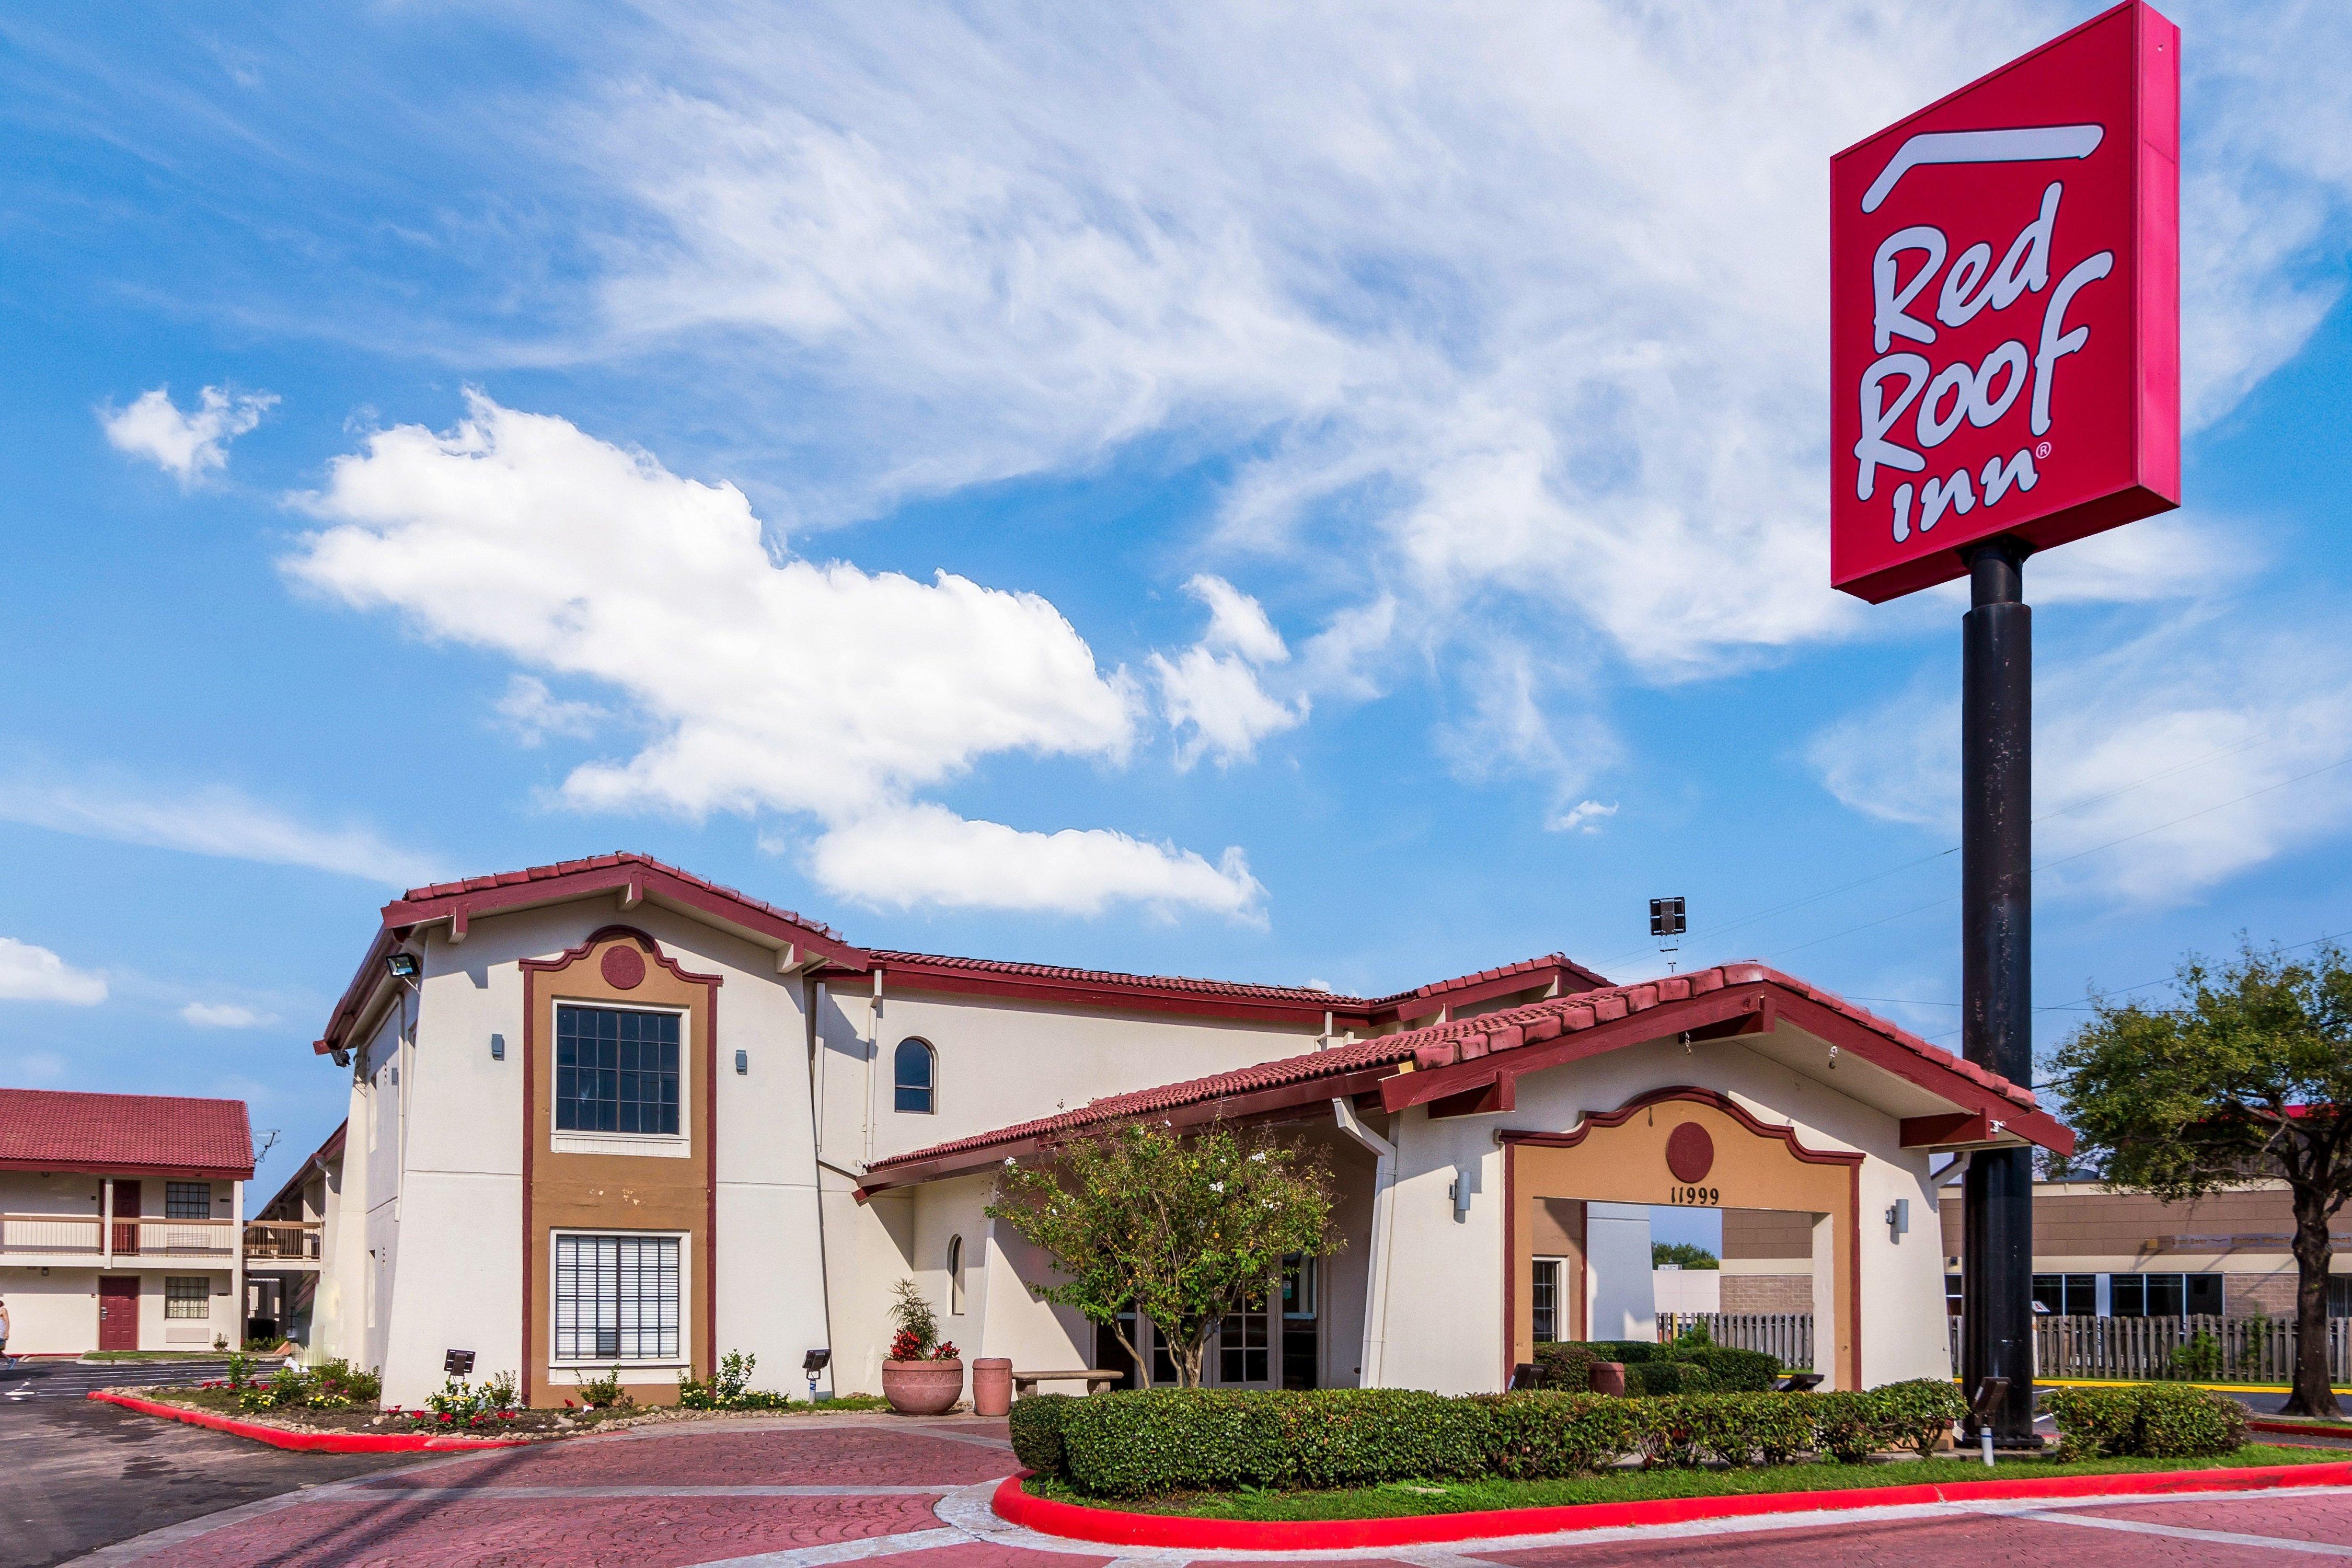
(2182, 1532)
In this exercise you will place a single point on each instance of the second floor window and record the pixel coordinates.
(187, 1199)
(910, 1077)
(615, 1071)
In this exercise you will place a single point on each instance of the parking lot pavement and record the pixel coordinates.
(74, 1474)
(813, 1491)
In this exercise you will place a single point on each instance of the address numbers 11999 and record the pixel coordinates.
(1704, 1197)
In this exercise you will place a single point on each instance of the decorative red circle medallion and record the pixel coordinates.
(1690, 1153)
(624, 968)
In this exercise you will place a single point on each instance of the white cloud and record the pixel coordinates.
(1584, 816)
(771, 683)
(928, 855)
(1212, 690)
(1521, 310)
(2157, 745)
(224, 1016)
(211, 820)
(186, 446)
(532, 713)
(29, 973)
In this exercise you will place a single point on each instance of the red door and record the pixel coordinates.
(126, 1206)
(118, 1312)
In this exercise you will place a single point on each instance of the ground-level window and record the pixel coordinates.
(1543, 1292)
(2164, 1295)
(2066, 1295)
(1242, 1347)
(616, 1297)
(615, 1071)
(912, 1075)
(187, 1297)
(187, 1199)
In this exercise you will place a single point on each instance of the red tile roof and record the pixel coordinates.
(457, 903)
(434, 892)
(1444, 1045)
(55, 1130)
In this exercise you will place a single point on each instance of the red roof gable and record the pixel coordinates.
(1443, 1046)
(638, 876)
(56, 1129)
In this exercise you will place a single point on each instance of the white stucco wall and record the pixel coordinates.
(1619, 1303)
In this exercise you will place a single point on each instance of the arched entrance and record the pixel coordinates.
(1688, 1146)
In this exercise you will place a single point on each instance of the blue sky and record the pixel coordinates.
(1282, 497)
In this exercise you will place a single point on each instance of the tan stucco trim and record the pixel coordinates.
(1620, 1156)
(582, 1192)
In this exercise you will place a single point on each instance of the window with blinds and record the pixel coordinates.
(616, 1297)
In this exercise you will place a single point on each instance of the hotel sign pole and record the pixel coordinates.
(2005, 368)
(1997, 971)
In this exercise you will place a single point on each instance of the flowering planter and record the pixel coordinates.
(922, 1387)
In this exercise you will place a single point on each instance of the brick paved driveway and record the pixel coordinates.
(811, 1491)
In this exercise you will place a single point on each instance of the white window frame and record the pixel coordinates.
(677, 1145)
(1563, 1321)
(685, 1356)
(171, 1317)
(931, 1088)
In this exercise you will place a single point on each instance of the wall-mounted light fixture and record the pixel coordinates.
(401, 965)
(742, 1061)
(498, 1048)
(1898, 1219)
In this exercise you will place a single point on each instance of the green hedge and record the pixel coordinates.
(1154, 1442)
(1656, 1379)
(1658, 1369)
(2150, 1420)
(1037, 1431)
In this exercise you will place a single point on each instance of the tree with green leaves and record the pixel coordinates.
(1682, 1255)
(1178, 1229)
(2246, 1077)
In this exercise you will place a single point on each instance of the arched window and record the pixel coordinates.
(955, 1276)
(910, 1075)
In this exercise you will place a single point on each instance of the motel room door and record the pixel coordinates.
(118, 1312)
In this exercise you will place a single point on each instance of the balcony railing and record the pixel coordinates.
(92, 1236)
(282, 1240)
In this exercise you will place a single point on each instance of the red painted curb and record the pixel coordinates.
(307, 1442)
(1113, 1528)
(2302, 1428)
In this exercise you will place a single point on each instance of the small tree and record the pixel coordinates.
(1180, 1230)
(2247, 1077)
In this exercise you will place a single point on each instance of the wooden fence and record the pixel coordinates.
(2242, 1350)
(1786, 1336)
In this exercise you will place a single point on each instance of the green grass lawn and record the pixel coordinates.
(1399, 1499)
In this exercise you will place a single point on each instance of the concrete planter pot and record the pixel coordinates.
(922, 1387)
(991, 1386)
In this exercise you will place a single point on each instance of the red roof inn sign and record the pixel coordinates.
(2004, 311)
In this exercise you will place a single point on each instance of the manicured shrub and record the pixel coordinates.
(1735, 1371)
(1568, 1368)
(1547, 1435)
(1037, 1431)
(1918, 1413)
(1356, 1436)
(2182, 1422)
(1627, 1351)
(1661, 1379)
(1668, 1431)
(1848, 1428)
(2154, 1421)
(1742, 1428)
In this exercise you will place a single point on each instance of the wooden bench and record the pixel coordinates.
(1025, 1383)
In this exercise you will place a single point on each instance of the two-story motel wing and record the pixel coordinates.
(605, 1113)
